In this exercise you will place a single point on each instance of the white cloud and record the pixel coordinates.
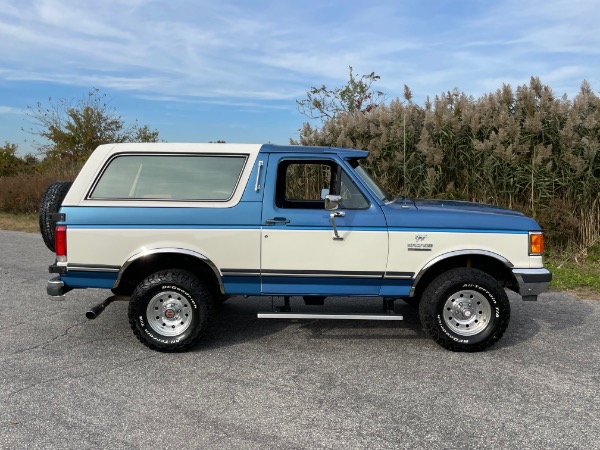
(239, 52)
(12, 110)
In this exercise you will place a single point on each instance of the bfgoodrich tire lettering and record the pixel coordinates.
(170, 310)
(465, 309)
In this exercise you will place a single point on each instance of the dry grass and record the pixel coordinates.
(21, 194)
(20, 222)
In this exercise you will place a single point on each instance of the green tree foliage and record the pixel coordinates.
(145, 134)
(356, 96)
(523, 149)
(71, 130)
(11, 164)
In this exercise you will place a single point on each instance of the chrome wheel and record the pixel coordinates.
(467, 312)
(169, 313)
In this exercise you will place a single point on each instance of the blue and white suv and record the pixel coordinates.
(176, 228)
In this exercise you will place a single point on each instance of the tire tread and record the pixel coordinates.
(428, 307)
(194, 286)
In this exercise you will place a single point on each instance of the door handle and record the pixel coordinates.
(277, 221)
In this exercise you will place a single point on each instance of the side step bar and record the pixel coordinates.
(289, 315)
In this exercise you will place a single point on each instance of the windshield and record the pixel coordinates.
(381, 194)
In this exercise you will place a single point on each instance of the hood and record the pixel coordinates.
(455, 214)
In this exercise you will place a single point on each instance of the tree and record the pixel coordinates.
(11, 164)
(356, 96)
(73, 129)
(145, 134)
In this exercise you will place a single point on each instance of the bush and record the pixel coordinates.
(21, 194)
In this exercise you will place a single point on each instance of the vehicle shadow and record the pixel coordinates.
(237, 321)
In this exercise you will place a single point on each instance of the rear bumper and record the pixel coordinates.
(532, 282)
(56, 288)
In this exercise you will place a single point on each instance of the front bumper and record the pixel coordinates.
(532, 282)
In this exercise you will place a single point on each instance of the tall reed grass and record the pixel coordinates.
(524, 149)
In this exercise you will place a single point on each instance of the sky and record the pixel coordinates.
(230, 70)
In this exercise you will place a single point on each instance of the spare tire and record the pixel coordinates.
(50, 204)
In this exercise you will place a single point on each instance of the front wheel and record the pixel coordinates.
(170, 310)
(465, 310)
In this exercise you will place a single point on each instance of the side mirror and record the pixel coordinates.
(324, 193)
(332, 202)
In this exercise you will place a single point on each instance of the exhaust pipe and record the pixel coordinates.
(95, 311)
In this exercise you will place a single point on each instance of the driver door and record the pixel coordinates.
(300, 254)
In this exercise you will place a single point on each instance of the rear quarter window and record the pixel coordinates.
(170, 177)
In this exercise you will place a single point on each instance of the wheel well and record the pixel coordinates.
(488, 264)
(147, 265)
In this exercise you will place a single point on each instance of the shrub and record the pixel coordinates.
(20, 194)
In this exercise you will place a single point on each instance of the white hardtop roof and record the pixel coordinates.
(104, 153)
(169, 147)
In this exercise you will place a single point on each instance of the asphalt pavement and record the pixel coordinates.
(70, 383)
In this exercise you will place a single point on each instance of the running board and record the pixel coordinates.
(288, 315)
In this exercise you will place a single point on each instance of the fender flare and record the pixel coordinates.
(453, 254)
(157, 251)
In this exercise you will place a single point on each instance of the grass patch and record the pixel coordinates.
(581, 277)
(580, 274)
(20, 222)
(571, 277)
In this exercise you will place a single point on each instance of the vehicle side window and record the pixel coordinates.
(301, 185)
(170, 177)
(352, 197)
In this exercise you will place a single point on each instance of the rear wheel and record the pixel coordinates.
(170, 310)
(465, 309)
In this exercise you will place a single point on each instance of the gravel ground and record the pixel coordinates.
(70, 383)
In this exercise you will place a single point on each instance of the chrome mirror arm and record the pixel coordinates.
(333, 215)
(332, 203)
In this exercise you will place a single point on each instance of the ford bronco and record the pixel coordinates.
(177, 228)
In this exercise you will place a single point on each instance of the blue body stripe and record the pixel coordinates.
(454, 230)
(164, 227)
(293, 228)
(247, 215)
(243, 214)
(321, 286)
(251, 285)
(241, 285)
(81, 279)
(396, 288)
(336, 286)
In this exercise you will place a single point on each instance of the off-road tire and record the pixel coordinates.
(170, 292)
(465, 310)
(50, 204)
